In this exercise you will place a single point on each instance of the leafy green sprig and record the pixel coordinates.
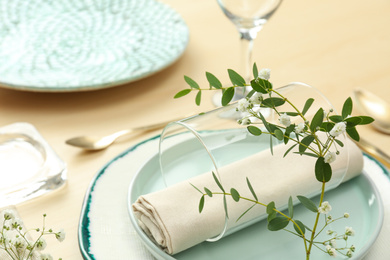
(304, 138)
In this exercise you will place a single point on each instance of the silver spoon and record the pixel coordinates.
(99, 143)
(374, 107)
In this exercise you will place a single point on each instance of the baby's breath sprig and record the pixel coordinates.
(16, 242)
(305, 140)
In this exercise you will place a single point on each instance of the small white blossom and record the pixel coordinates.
(349, 231)
(46, 257)
(243, 105)
(265, 74)
(244, 121)
(41, 244)
(325, 207)
(329, 232)
(338, 129)
(16, 223)
(19, 243)
(330, 157)
(256, 98)
(349, 253)
(331, 251)
(299, 128)
(8, 214)
(333, 243)
(60, 235)
(285, 119)
(346, 215)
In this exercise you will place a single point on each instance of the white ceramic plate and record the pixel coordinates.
(105, 228)
(73, 45)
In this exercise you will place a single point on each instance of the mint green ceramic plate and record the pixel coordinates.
(73, 45)
(104, 227)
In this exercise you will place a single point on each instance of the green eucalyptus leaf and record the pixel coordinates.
(225, 206)
(336, 118)
(289, 150)
(251, 189)
(308, 203)
(227, 96)
(305, 143)
(279, 134)
(250, 93)
(213, 80)
(182, 93)
(322, 170)
(198, 98)
(201, 204)
(317, 120)
(307, 105)
(208, 192)
(273, 102)
(353, 121)
(366, 120)
(271, 207)
(235, 194)
(265, 123)
(255, 71)
(254, 130)
(265, 84)
(353, 133)
(246, 211)
(290, 207)
(278, 223)
(236, 78)
(191, 82)
(217, 182)
(347, 108)
(327, 126)
(290, 113)
(271, 216)
(256, 86)
(196, 188)
(301, 230)
(341, 144)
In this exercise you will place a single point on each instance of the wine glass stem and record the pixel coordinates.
(247, 38)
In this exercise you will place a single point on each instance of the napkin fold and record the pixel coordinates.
(171, 217)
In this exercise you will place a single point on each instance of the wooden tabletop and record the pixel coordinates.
(335, 46)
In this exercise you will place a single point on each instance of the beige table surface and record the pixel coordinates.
(333, 45)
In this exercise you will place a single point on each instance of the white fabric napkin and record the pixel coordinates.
(171, 217)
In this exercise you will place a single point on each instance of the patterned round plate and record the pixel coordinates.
(73, 45)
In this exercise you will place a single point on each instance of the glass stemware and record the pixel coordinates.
(249, 17)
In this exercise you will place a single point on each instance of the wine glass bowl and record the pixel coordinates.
(249, 17)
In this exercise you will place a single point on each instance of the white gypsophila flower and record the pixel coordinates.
(333, 243)
(346, 215)
(299, 128)
(19, 243)
(46, 257)
(256, 98)
(325, 208)
(331, 251)
(338, 128)
(41, 244)
(349, 231)
(243, 105)
(244, 121)
(329, 232)
(8, 214)
(349, 253)
(16, 223)
(330, 157)
(352, 248)
(264, 74)
(284, 119)
(60, 235)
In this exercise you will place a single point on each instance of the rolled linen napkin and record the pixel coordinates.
(171, 216)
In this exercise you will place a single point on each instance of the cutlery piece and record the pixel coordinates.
(374, 152)
(374, 107)
(100, 143)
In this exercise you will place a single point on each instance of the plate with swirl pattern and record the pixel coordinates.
(77, 45)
